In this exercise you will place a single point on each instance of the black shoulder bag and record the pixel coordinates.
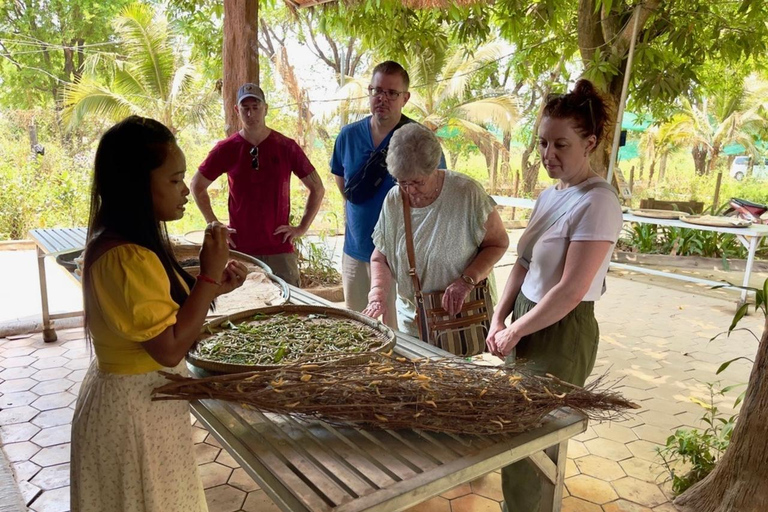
(364, 184)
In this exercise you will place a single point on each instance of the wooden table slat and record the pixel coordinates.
(440, 453)
(262, 447)
(339, 455)
(248, 448)
(306, 443)
(371, 465)
(293, 459)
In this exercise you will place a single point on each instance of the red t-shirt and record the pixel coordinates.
(259, 201)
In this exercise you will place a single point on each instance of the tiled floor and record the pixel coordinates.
(655, 339)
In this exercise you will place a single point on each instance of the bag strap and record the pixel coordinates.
(527, 253)
(409, 243)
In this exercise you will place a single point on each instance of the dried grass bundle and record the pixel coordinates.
(439, 395)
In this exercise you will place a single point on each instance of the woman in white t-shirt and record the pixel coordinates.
(457, 234)
(551, 297)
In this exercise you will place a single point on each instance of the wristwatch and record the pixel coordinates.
(467, 279)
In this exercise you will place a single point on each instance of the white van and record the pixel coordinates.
(740, 166)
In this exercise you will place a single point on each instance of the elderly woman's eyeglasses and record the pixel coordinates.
(418, 184)
(255, 160)
(388, 93)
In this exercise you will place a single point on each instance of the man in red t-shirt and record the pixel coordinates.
(258, 162)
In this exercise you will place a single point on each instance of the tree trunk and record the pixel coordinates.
(506, 169)
(33, 136)
(240, 55)
(662, 166)
(699, 154)
(716, 199)
(610, 33)
(530, 170)
(491, 161)
(737, 484)
(651, 171)
(454, 158)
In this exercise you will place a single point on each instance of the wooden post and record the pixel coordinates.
(716, 200)
(240, 55)
(516, 188)
(632, 178)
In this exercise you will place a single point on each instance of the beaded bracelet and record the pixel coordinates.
(206, 279)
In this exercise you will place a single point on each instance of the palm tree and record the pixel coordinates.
(715, 122)
(145, 77)
(658, 143)
(444, 98)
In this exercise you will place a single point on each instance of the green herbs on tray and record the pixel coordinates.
(285, 338)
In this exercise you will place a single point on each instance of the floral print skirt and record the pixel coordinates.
(130, 454)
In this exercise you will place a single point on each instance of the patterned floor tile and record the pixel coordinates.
(637, 491)
(573, 504)
(53, 417)
(488, 486)
(52, 477)
(599, 467)
(474, 503)
(242, 481)
(590, 489)
(436, 504)
(258, 501)
(17, 432)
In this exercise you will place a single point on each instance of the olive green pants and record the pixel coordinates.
(567, 350)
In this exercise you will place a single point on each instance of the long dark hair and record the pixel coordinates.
(584, 106)
(121, 199)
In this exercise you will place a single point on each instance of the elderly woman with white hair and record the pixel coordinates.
(457, 233)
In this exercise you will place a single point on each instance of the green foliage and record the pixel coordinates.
(43, 44)
(654, 239)
(689, 455)
(147, 77)
(40, 191)
(316, 263)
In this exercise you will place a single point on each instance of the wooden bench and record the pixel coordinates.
(695, 207)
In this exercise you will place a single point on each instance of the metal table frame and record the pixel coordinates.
(321, 468)
(748, 237)
(52, 242)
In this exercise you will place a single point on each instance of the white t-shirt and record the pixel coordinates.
(446, 236)
(596, 217)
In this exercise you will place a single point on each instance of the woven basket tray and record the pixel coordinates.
(716, 221)
(191, 251)
(381, 331)
(659, 214)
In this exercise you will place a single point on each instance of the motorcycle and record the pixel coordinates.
(747, 210)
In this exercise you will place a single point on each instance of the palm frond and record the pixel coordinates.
(502, 111)
(90, 98)
(146, 39)
(353, 98)
(460, 68)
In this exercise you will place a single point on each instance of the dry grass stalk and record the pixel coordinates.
(439, 395)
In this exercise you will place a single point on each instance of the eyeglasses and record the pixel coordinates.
(255, 160)
(388, 93)
(415, 184)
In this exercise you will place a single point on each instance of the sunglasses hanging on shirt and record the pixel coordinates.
(255, 161)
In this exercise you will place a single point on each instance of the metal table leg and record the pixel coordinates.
(49, 333)
(748, 269)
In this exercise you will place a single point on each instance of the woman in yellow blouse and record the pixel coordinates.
(142, 314)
